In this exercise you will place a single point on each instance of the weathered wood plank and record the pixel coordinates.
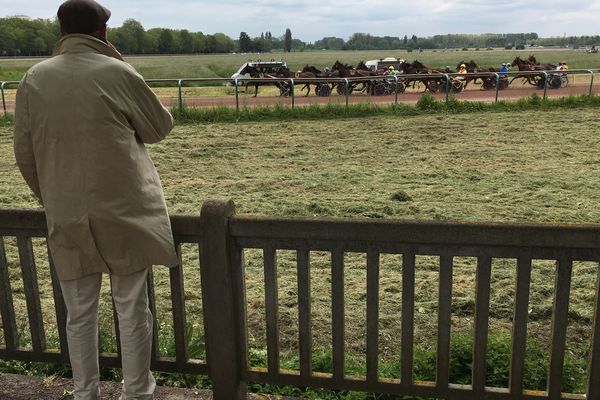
(32, 293)
(304, 310)
(271, 309)
(519, 330)
(444, 318)
(178, 304)
(560, 312)
(372, 315)
(337, 312)
(9, 324)
(408, 319)
(239, 303)
(593, 388)
(482, 316)
(221, 264)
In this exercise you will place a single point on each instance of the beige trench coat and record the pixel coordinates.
(81, 121)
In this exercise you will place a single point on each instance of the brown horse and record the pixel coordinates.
(416, 67)
(285, 72)
(527, 65)
(347, 71)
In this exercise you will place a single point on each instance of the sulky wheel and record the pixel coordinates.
(503, 83)
(284, 89)
(554, 81)
(456, 86)
(341, 89)
(323, 90)
(433, 86)
(489, 84)
(378, 89)
(564, 81)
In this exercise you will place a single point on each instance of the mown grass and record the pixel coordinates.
(224, 65)
(535, 165)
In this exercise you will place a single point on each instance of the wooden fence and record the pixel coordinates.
(223, 238)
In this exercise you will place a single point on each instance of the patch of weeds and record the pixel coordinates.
(401, 196)
(427, 103)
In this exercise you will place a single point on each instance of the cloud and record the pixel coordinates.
(310, 20)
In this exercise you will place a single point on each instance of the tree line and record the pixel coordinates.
(24, 37)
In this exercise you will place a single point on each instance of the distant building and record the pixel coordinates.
(26, 17)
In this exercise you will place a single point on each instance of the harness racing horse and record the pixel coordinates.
(284, 72)
(346, 71)
(255, 73)
(433, 84)
(527, 65)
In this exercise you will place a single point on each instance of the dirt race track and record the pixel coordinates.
(357, 98)
(474, 94)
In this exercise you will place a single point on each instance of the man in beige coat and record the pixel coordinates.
(81, 121)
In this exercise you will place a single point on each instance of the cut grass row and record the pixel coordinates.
(538, 164)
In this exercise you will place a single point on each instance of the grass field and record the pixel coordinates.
(224, 65)
(530, 166)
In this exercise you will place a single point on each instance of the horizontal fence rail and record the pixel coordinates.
(394, 84)
(224, 237)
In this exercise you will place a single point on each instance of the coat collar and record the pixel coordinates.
(79, 43)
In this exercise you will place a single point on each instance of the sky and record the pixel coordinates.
(311, 20)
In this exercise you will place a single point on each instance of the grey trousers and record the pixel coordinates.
(130, 295)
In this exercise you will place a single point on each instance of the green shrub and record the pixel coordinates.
(428, 102)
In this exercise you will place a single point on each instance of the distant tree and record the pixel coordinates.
(245, 43)
(133, 36)
(405, 40)
(165, 41)
(287, 41)
(186, 42)
(223, 43)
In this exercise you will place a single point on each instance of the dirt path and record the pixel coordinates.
(21, 387)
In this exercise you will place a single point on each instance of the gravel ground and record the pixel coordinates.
(20, 387)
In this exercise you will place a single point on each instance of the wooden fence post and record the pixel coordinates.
(221, 336)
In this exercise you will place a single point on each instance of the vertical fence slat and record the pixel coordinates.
(271, 310)
(304, 310)
(444, 315)
(239, 303)
(32, 293)
(408, 319)
(559, 326)
(59, 307)
(152, 307)
(372, 315)
(337, 312)
(593, 389)
(519, 330)
(221, 266)
(178, 304)
(9, 324)
(482, 314)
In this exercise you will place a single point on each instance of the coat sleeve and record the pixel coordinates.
(23, 145)
(152, 122)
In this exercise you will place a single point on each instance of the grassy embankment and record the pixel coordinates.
(529, 166)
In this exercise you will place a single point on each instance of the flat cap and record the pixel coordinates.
(82, 16)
